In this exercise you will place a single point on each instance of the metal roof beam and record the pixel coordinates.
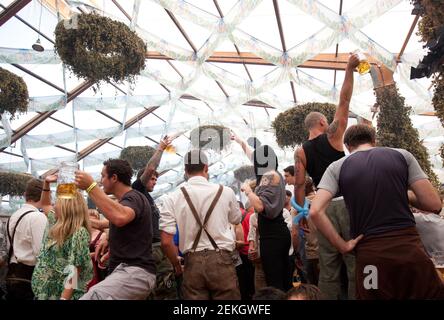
(407, 38)
(12, 10)
(31, 124)
(30, 26)
(328, 61)
(97, 144)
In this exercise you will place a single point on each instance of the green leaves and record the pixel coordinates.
(14, 96)
(289, 125)
(395, 128)
(137, 156)
(100, 49)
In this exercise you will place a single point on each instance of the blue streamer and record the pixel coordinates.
(302, 211)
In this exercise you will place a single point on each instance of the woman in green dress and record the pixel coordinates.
(64, 265)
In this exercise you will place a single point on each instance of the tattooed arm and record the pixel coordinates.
(154, 162)
(299, 170)
(337, 128)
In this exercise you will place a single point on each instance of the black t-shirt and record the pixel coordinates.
(320, 154)
(138, 185)
(131, 244)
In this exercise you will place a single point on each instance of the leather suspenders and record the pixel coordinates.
(203, 226)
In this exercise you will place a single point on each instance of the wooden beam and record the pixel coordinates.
(122, 10)
(337, 47)
(11, 10)
(293, 91)
(31, 124)
(181, 30)
(407, 39)
(251, 103)
(49, 83)
(30, 26)
(279, 23)
(97, 144)
(428, 113)
(381, 76)
(64, 9)
(327, 61)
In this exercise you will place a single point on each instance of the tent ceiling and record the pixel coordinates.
(237, 63)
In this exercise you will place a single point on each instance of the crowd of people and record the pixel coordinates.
(346, 217)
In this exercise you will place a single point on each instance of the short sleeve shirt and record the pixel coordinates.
(131, 244)
(374, 183)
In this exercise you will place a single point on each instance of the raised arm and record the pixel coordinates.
(337, 128)
(245, 147)
(154, 162)
(45, 198)
(300, 163)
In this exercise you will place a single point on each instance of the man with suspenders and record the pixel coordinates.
(203, 212)
(25, 229)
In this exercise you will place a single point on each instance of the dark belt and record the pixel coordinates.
(19, 272)
(206, 251)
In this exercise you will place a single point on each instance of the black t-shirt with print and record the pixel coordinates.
(131, 244)
(138, 185)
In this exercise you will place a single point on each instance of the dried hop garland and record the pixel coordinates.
(13, 184)
(100, 49)
(14, 96)
(289, 125)
(137, 156)
(213, 137)
(243, 173)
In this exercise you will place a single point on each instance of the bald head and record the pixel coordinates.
(314, 120)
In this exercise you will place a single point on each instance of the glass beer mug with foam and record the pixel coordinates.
(363, 66)
(66, 187)
(438, 260)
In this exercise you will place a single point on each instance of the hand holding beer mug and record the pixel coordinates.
(66, 187)
(363, 66)
(167, 142)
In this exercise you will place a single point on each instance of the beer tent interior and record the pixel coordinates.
(226, 62)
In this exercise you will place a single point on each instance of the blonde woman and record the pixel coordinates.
(64, 265)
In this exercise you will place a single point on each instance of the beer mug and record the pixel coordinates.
(438, 260)
(66, 187)
(171, 148)
(363, 66)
